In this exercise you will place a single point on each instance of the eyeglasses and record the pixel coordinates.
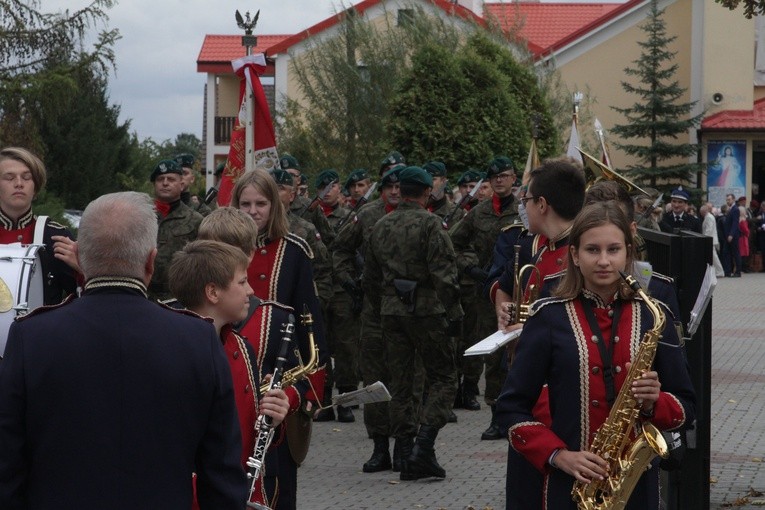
(503, 176)
(526, 199)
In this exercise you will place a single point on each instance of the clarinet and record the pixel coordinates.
(264, 425)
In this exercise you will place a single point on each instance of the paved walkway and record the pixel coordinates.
(331, 476)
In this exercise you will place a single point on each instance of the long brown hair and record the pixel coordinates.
(278, 225)
(592, 216)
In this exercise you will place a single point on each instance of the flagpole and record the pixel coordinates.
(249, 41)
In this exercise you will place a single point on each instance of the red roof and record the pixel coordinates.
(543, 25)
(446, 5)
(219, 50)
(737, 120)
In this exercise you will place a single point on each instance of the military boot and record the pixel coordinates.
(402, 448)
(380, 459)
(422, 462)
(493, 431)
(470, 402)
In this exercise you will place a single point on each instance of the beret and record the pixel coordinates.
(357, 175)
(499, 165)
(287, 162)
(469, 176)
(435, 168)
(282, 176)
(325, 177)
(415, 175)
(393, 158)
(391, 176)
(166, 166)
(185, 160)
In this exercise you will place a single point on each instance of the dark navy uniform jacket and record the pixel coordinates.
(112, 401)
(556, 348)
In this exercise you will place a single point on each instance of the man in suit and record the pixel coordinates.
(677, 217)
(731, 257)
(110, 400)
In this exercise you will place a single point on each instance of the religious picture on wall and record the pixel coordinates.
(726, 169)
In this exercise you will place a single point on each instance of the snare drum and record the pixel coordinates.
(21, 284)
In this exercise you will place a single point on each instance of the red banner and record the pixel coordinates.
(265, 156)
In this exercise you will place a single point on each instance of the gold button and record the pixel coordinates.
(610, 313)
(595, 403)
(264, 252)
(594, 338)
(262, 277)
(595, 370)
(236, 354)
(559, 261)
(247, 389)
(618, 369)
(616, 339)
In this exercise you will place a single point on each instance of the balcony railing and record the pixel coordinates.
(223, 128)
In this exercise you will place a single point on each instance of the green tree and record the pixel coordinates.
(353, 112)
(34, 80)
(348, 83)
(658, 118)
(456, 108)
(85, 143)
(751, 7)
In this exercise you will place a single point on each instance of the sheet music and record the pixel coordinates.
(375, 392)
(492, 343)
(702, 300)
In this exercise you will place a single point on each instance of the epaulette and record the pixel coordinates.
(537, 305)
(302, 244)
(55, 225)
(512, 226)
(183, 311)
(277, 304)
(663, 277)
(45, 308)
(555, 276)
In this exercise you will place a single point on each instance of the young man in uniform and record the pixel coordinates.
(474, 239)
(410, 275)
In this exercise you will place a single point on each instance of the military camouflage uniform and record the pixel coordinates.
(443, 208)
(411, 244)
(322, 259)
(300, 208)
(474, 239)
(179, 227)
(198, 206)
(343, 322)
(349, 251)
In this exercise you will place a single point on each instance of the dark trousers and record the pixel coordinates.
(731, 257)
(406, 337)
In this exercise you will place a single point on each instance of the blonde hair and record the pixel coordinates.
(277, 225)
(200, 263)
(32, 162)
(230, 226)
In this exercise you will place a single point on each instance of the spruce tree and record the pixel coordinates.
(658, 121)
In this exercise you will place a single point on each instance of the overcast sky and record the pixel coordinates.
(156, 83)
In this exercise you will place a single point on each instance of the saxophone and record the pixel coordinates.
(628, 458)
